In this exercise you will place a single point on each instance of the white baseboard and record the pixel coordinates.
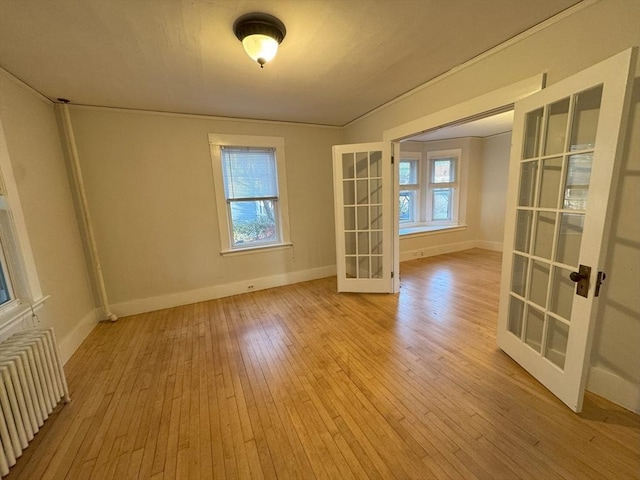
(614, 388)
(151, 304)
(436, 250)
(449, 248)
(70, 343)
(495, 246)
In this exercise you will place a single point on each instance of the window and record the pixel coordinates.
(442, 187)
(250, 191)
(409, 187)
(20, 291)
(429, 190)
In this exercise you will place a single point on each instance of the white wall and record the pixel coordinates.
(151, 196)
(39, 168)
(594, 33)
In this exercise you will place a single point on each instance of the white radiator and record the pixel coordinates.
(32, 383)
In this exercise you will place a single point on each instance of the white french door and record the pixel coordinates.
(363, 212)
(566, 144)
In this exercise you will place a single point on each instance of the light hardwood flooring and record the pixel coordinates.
(303, 382)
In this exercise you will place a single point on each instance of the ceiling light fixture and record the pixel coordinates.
(260, 34)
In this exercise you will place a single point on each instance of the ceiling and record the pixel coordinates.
(340, 58)
(482, 128)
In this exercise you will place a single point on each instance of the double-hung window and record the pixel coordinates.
(409, 187)
(250, 191)
(429, 190)
(442, 187)
(20, 291)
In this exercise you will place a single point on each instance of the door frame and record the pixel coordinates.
(463, 112)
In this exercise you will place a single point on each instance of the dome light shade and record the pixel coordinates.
(260, 34)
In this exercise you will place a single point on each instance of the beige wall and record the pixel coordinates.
(151, 196)
(493, 179)
(419, 245)
(591, 35)
(39, 168)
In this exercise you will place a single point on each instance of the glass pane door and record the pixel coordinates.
(563, 159)
(359, 180)
(555, 170)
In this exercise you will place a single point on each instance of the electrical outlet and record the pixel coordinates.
(249, 287)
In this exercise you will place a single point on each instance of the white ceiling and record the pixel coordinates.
(484, 127)
(339, 60)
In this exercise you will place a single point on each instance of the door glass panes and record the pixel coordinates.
(545, 226)
(524, 221)
(376, 217)
(532, 129)
(362, 195)
(363, 267)
(577, 183)
(556, 133)
(362, 165)
(539, 283)
(562, 291)
(528, 174)
(555, 172)
(519, 275)
(351, 267)
(550, 182)
(376, 267)
(363, 241)
(376, 243)
(375, 186)
(362, 191)
(349, 192)
(350, 243)
(363, 218)
(516, 311)
(556, 345)
(349, 218)
(348, 168)
(535, 326)
(375, 164)
(570, 238)
(585, 119)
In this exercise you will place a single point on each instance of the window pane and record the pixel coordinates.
(5, 296)
(443, 171)
(253, 222)
(407, 206)
(408, 172)
(442, 203)
(249, 172)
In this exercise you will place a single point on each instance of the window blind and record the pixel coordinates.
(249, 173)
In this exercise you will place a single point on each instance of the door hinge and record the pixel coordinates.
(391, 274)
(392, 159)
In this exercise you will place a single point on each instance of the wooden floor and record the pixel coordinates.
(302, 382)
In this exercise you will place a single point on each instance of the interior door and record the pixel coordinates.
(567, 142)
(363, 213)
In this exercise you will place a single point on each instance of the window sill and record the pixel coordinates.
(256, 249)
(424, 230)
(13, 316)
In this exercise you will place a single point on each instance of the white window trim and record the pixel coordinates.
(230, 140)
(424, 225)
(429, 186)
(21, 264)
(417, 156)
